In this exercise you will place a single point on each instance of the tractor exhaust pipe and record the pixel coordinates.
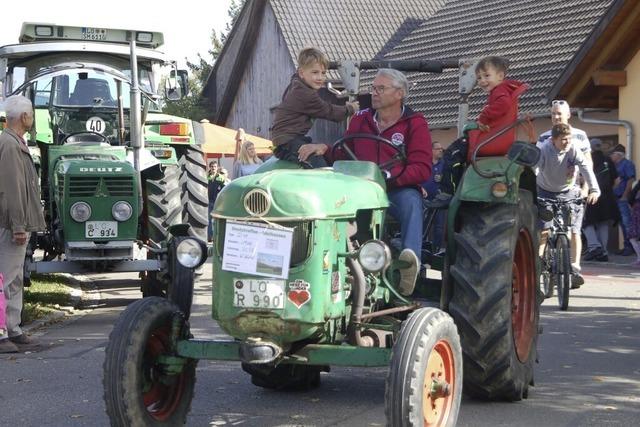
(137, 142)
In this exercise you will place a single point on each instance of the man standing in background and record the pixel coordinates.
(20, 215)
(560, 114)
(626, 175)
(430, 189)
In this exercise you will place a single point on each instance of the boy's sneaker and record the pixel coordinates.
(409, 274)
(576, 280)
(6, 346)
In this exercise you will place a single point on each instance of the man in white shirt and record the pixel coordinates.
(560, 114)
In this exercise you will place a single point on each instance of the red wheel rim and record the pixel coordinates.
(160, 399)
(438, 388)
(523, 296)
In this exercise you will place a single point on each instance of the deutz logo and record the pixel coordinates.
(117, 169)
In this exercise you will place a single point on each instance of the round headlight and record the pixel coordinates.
(80, 211)
(374, 256)
(121, 211)
(499, 189)
(189, 253)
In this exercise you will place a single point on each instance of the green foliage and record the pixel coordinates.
(194, 105)
(45, 295)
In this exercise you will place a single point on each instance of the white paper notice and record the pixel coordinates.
(257, 249)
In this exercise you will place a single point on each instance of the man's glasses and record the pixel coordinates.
(379, 90)
(559, 102)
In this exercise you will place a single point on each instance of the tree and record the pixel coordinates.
(193, 105)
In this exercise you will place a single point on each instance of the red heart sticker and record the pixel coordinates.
(299, 297)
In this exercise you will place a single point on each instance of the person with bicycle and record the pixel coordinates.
(555, 178)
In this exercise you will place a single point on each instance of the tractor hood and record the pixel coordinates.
(299, 194)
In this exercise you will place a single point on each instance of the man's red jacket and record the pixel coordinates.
(410, 132)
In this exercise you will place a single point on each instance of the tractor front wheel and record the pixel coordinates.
(139, 389)
(424, 383)
(496, 298)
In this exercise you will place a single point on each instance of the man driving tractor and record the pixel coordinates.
(391, 119)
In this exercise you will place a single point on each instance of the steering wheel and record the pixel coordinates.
(101, 137)
(399, 158)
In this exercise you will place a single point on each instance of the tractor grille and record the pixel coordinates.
(119, 185)
(60, 186)
(257, 202)
(80, 186)
(301, 242)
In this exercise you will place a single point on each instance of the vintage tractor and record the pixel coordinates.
(304, 278)
(118, 177)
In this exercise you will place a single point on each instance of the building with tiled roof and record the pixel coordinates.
(258, 59)
(540, 38)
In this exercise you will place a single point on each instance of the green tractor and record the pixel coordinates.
(305, 278)
(123, 185)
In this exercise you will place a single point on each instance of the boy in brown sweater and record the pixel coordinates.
(300, 104)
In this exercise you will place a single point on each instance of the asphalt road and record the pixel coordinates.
(588, 375)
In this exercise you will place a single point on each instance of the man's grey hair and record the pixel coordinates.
(398, 78)
(15, 105)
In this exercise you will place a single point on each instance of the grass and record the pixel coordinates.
(45, 295)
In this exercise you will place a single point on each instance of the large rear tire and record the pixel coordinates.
(163, 209)
(563, 271)
(496, 298)
(137, 390)
(193, 190)
(424, 383)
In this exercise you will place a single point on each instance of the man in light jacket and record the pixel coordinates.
(20, 214)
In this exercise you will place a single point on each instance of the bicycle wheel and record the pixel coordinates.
(563, 271)
(547, 279)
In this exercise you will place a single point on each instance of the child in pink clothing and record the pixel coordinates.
(3, 307)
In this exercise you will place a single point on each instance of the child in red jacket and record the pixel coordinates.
(500, 110)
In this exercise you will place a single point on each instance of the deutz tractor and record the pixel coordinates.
(118, 177)
(305, 277)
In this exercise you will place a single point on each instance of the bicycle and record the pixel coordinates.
(556, 258)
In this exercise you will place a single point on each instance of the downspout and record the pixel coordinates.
(627, 125)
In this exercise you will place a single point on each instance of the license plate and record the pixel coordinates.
(100, 229)
(258, 293)
(90, 33)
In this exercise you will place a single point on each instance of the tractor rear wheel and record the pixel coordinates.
(163, 208)
(496, 297)
(138, 388)
(424, 383)
(193, 190)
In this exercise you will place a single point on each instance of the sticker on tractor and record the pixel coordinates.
(95, 124)
(335, 282)
(298, 292)
(326, 262)
(336, 295)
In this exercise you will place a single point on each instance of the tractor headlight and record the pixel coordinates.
(189, 253)
(121, 211)
(80, 211)
(374, 256)
(499, 190)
